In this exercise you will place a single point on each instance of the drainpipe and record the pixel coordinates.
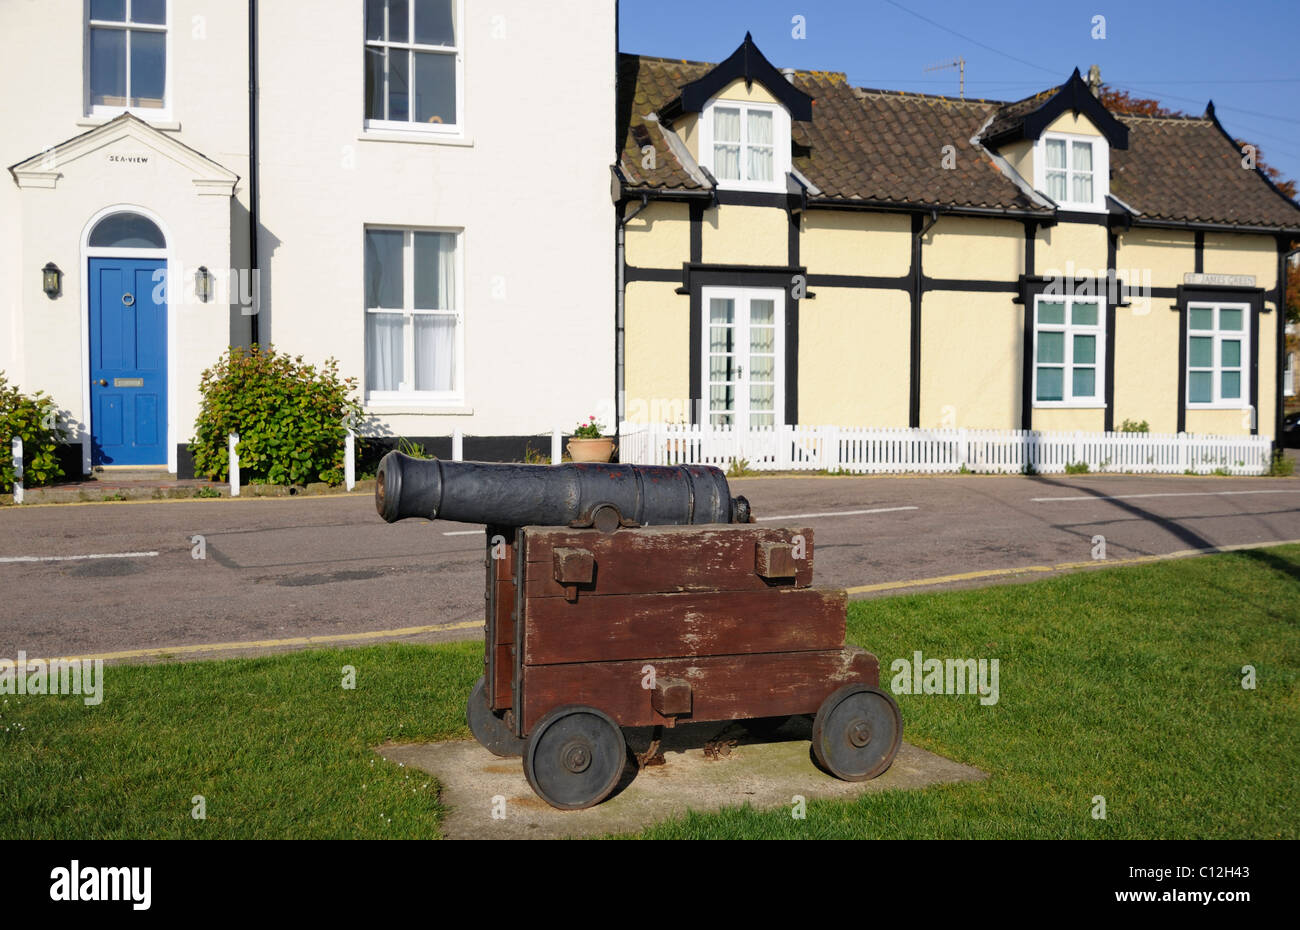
(619, 301)
(254, 329)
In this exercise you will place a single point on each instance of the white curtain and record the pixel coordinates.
(383, 351)
(1056, 174)
(435, 352)
(726, 147)
(435, 333)
(760, 145)
(1082, 172)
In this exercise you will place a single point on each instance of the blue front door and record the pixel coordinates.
(128, 361)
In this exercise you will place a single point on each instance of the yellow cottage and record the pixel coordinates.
(796, 250)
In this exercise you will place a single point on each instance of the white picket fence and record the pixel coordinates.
(869, 450)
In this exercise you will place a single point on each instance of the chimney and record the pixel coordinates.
(1094, 80)
(789, 74)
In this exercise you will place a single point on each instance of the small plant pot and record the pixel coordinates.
(591, 450)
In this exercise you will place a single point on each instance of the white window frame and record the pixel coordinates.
(1217, 368)
(780, 144)
(453, 130)
(149, 114)
(742, 296)
(1100, 170)
(412, 397)
(1070, 329)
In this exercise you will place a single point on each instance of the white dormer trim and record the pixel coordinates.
(1100, 170)
(781, 159)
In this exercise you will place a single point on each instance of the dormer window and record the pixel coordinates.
(746, 145)
(1073, 170)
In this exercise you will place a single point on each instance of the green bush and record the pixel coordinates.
(290, 416)
(1135, 426)
(1076, 468)
(34, 418)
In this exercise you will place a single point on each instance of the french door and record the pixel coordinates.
(743, 354)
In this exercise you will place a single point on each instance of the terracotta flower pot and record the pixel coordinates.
(591, 450)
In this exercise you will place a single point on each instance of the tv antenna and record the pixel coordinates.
(960, 64)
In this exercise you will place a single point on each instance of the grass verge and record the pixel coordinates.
(1124, 683)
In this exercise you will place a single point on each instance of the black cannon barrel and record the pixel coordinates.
(554, 495)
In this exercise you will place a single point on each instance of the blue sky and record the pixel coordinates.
(1241, 55)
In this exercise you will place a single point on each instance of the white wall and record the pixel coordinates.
(529, 186)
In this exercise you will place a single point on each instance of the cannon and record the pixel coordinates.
(621, 596)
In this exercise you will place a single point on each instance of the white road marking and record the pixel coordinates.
(1125, 497)
(464, 533)
(837, 513)
(77, 558)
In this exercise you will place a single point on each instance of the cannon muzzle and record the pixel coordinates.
(579, 495)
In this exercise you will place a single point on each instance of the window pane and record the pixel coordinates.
(722, 340)
(1083, 314)
(433, 22)
(1085, 350)
(435, 88)
(111, 10)
(1051, 312)
(762, 369)
(1083, 188)
(1231, 386)
(435, 352)
(721, 368)
(1200, 387)
(384, 268)
(153, 12)
(722, 397)
(726, 162)
(1050, 382)
(399, 84)
(762, 397)
(384, 351)
(435, 271)
(1051, 347)
(726, 124)
(1230, 353)
(1200, 318)
(375, 83)
(760, 164)
(1082, 154)
(399, 21)
(762, 312)
(1056, 185)
(374, 19)
(1085, 383)
(722, 310)
(1201, 352)
(148, 68)
(127, 231)
(1230, 318)
(108, 67)
(762, 339)
(760, 127)
(1055, 153)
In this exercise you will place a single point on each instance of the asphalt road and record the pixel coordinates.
(290, 569)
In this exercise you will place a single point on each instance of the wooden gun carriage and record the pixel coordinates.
(596, 621)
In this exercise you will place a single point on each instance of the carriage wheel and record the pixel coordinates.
(857, 732)
(489, 729)
(574, 757)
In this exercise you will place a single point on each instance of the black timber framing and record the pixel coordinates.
(697, 311)
(1252, 297)
(1108, 416)
(915, 289)
(1279, 296)
(1027, 334)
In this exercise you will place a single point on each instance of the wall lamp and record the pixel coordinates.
(51, 280)
(203, 283)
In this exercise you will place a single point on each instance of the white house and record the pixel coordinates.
(402, 193)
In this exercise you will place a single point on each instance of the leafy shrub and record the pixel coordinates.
(290, 416)
(34, 418)
(1135, 426)
(1281, 466)
(1076, 468)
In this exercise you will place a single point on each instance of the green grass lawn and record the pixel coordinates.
(1119, 682)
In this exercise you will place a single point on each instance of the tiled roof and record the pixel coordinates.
(886, 146)
(1186, 169)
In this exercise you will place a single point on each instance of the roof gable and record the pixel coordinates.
(745, 63)
(1026, 119)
